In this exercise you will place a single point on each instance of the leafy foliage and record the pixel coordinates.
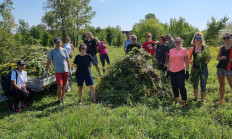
(131, 78)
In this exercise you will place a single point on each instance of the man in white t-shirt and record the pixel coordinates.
(19, 79)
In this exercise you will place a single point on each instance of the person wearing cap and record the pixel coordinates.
(133, 44)
(170, 41)
(149, 45)
(61, 64)
(127, 41)
(92, 49)
(20, 93)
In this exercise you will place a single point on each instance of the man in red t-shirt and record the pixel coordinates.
(149, 45)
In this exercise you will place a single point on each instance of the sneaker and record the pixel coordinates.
(195, 99)
(184, 104)
(15, 108)
(59, 102)
(25, 106)
(220, 102)
(62, 101)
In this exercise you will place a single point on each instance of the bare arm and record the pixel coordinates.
(15, 85)
(72, 49)
(186, 63)
(69, 65)
(190, 56)
(47, 65)
(219, 57)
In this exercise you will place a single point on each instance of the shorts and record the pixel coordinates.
(61, 78)
(224, 72)
(95, 62)
(80, 78)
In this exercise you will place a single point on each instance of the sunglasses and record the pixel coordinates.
(198, 38)
(226, 38)
(133, 39)
(177, 41)
(148, 36)
(83, 48)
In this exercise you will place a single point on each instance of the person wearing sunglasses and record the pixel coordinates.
(224, 65)
(92, 49)
(133, 44)
(149, 45)
(170, 41)
(178, 69)
(20, 93)
(127, 41)
(162, 54)
(60, 59)
(199, 46)
(83, 62)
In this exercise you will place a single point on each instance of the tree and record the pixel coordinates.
(110, 34)
(150, 16)
(69, 16)
(23, 28)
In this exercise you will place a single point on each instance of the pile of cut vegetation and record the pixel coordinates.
(132, 78)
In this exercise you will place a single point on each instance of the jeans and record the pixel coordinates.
(103, 58)
(203, 80)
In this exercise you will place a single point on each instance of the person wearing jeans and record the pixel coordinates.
(178, 69)
(61, 64)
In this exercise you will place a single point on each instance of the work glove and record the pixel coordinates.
(45, 73)
(186, 75)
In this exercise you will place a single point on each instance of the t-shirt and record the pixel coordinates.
(131, 46)
(83, 64)
(177, 61)
(126, 43)
(21, 78)
(91, 46)
(161, 51)
(171, 45)
(59, 59)
(68, 47)
(102, 50)
(149, 47)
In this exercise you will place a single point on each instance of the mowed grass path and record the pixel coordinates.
(161, 119)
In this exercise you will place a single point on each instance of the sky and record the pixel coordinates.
(126, 13)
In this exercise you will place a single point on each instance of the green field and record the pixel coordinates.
(161, 119)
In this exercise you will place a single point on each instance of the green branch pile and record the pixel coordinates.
(132, 78)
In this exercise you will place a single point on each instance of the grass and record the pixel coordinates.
(158, 119)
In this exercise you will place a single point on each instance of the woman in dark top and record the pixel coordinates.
(224, 66)
(162, 53)
(199, 45)
(83, 72)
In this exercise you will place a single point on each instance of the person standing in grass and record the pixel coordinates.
(69, 47)
(170, 40)
(61, 64)
(224, 66)
(83, 62)
(103, 53)
(162, 54)
(20, 93)
(199, 45)
(149, 45)
(133, 44)
(127, 41)
(92, 49)
(178, 69)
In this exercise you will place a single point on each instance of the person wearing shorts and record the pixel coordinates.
(224, 66)
(92, 49)
(83, 62)
(61, 64)
(199, 46)
(103, 53)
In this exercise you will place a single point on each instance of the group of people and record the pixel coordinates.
(174, 59)
(60, 57)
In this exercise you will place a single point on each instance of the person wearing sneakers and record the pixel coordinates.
(178, 69)
(224, 69)
(149, 45)
(83, 62)
(103, 53)
(92, 49)
(69, 47)
(61, 64)
(20, 93)
(199, 45)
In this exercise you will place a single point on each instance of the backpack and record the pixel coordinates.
(7, 85)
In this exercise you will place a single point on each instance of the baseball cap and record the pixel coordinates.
(20, 62)
(57, 40)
